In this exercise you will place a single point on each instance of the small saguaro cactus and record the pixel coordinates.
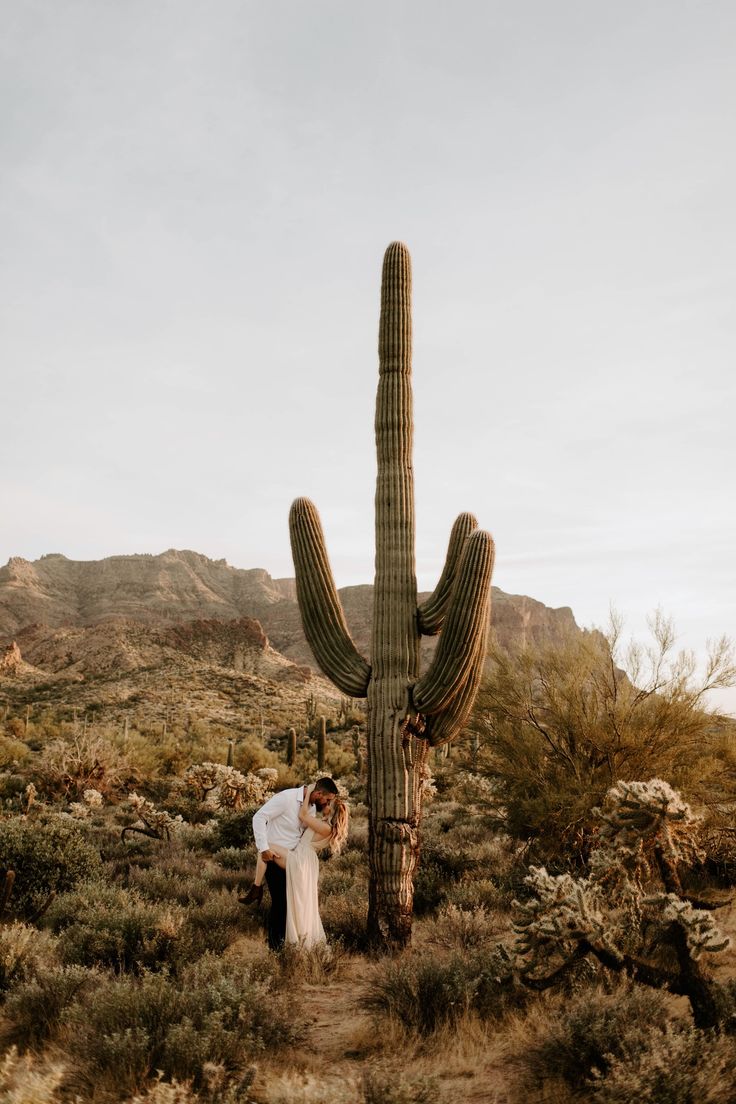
(321, 742)
(406, 711)
(291, 747)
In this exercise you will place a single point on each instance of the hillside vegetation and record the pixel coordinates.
(571, 927)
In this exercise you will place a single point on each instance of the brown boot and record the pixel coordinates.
(255, 893)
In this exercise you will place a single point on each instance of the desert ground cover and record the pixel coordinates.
(130, 972)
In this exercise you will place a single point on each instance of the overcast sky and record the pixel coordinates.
(195, 199)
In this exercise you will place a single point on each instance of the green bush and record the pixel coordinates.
(35, 1008)
(234, 830)
(215, 1012)
(212, 926)
(235, 858)
(109, 926)
(50, 854)
(560, 724)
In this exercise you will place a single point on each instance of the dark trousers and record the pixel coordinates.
(276, 882)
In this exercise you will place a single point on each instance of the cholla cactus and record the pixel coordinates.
(30, 794)
(93, 799)
(646, 826)
(563, 911)
(230, 788)
(406, 710)
(269, 775)
(237, 791)
(647, 832)
(155, 823)
(202, 779)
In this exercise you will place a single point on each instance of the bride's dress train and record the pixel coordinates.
(303, 922)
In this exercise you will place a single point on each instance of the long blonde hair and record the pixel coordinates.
(339, 821)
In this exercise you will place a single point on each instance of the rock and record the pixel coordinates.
(10, 661)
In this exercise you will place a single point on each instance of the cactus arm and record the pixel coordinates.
(465, 625)
(431, 613)
(322, 615)
(442, 728)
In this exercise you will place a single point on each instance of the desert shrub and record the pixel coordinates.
(314, 966)
(13, 752)
(215, 1012)
(47, 855)
(28, 1080)
(341, 873)
(12, 790)
(212, 926)
(426, 993)
(156, 884)
(234, 830)
(345, 916)
(593, 1028)
(34, 1009)
(456, 927)
(217, 1088)
(235, 858)
(562, 723)
(23, 951)
(306, 1088)
(674, 1065)
(109, 926)
(399, 1086)
(84, 760)
(477, 893)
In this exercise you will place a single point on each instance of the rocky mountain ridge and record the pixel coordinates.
(180, 586)
(180, 627)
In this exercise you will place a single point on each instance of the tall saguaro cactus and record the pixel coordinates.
(407, 711)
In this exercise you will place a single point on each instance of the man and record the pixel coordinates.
(277, 822)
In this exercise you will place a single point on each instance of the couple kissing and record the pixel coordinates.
(289, 830)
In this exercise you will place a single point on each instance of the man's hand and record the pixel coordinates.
(267, 856)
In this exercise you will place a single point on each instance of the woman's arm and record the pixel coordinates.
(319, 827)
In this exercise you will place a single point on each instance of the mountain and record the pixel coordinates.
(179, 626)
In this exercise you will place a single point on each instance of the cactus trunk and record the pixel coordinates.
(406, 713)
(393, 796)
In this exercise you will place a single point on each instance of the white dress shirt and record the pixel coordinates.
(277, 822)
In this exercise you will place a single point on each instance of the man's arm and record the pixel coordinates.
(274, 807)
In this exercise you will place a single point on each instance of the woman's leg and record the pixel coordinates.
(260, 871)
(280, 853)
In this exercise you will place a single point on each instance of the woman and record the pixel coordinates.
(303, 922)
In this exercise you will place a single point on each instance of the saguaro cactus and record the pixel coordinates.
(321, 743)
(291, 747)
(406, 711)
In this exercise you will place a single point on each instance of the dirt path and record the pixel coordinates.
(338, 1021)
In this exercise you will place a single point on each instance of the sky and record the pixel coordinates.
(195, 197)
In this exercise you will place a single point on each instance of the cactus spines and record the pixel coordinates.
(405, 712)
(321, 742)
(291, 747)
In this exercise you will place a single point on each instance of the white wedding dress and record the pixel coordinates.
(303, 923)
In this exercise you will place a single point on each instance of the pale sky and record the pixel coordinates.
(195, 198)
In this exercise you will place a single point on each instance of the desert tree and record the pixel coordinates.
(560, 723)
